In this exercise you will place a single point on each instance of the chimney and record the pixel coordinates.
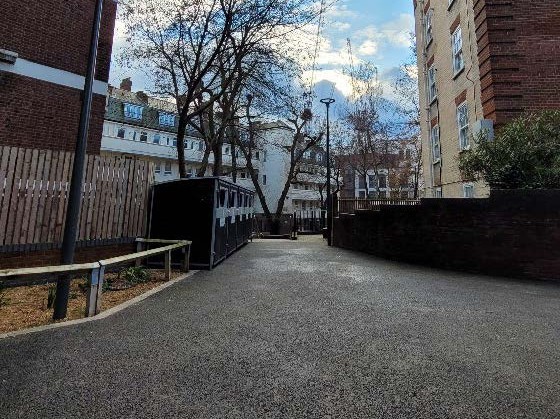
(126, 84)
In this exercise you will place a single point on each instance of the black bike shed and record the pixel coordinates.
(214, 213)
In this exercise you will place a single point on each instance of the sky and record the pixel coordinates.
(379, 32)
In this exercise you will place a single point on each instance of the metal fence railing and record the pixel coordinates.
(351, 205)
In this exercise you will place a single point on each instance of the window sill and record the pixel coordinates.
(436, 161)
(458, 73)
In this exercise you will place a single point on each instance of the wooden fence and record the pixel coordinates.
(351, 205)
(34, 189)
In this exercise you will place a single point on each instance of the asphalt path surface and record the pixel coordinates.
(297, 330)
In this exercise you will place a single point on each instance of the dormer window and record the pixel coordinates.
(133, 111)
(166, 119)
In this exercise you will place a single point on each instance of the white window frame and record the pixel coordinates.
(166, 119)
(468, 190)
(145, 135)
(436, 143)
(438, 192)
(156, 138)
(432, 87)
(168, 169)
(428, 21)
(463, 126)
(132, 111)
(123, 130)
(157, 168)
(457, 50)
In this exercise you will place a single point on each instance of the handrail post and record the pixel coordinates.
(187, 257)
(139, 248)
(168, 265)
(100, 289)
(92, 291)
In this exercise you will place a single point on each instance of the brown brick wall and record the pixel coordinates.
(53, 256)
(38, 114)
(512, 234)
(57, 33)
(519, 56)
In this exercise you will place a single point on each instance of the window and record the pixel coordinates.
(372, 181)
(144, 136)
(468, 190)
(133, 111)
(429, 29)
(319, 157)
(257, 155)
(167, 170)
(432, 89)
(226, 151)
(121, 133)
(438, 193)
(166, 119)
(242, 175)
(463, 126)
(264, 155)
(223, 198)
(158, 167)
(362, 194)
(264, 179)
(157, 138)
(307, 155)
(382, 181)
(436, 147)
(457, 47)
(200, 146)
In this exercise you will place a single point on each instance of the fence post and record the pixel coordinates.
(100, 289)
(139, 248)
(186, 258)
(92, 291)
(168, 265)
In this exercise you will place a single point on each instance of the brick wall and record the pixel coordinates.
(56, 33)
(53, 256)
(512, 233)
(38, 114)
(519, 56)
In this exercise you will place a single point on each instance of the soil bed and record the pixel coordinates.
(27, 306)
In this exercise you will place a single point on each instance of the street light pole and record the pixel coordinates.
(328, 102)
(75, 192)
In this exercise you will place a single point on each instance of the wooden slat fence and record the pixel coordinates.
(34, 191)
(351, 205)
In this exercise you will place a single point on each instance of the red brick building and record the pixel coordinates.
(44, 48)
(481, 63)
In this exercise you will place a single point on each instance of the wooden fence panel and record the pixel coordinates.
(34, 187)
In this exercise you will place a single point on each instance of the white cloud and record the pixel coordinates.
(395, 33)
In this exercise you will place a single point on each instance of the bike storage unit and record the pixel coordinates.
(214, 213)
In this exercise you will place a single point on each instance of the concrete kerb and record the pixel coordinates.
(103, 314)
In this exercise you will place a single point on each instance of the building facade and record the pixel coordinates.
(44, 48)
(142, 126)
(481, 63)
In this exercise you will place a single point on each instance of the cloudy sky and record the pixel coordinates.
(379, 32)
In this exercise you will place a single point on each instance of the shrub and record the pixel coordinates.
(135, 275)
(524, 155)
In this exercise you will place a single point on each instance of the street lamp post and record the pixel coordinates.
(76, 181)
(328, 102)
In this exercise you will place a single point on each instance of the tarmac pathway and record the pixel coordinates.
(297, 330)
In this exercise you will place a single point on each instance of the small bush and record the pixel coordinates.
(3, 296)
(135, 275)
(524, 155)
(51, 295)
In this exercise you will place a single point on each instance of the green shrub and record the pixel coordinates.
(3, 297)
(524, 155)
(135, 275)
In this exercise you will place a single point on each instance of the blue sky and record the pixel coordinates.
(379, 31)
